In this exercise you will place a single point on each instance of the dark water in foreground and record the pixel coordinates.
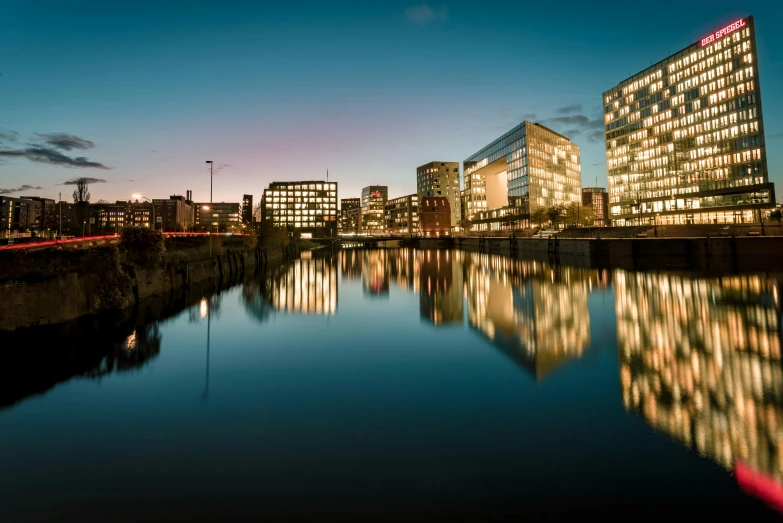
(407, 385)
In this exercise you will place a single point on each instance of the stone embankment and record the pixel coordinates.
(108, 285)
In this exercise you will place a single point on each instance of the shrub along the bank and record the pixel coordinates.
(142, 247)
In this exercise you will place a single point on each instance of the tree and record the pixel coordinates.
(572, 214)
(587, 218)
(538, 216)
(554, 213)
(270, 236)
(81, 197)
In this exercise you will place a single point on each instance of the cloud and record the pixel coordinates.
(21, 188)
(153, 151)
(9, 136)
(423, 14)
(66, 142)
(528, 116)
(572, 125)
(595, 164)
(779, 135)
(74, 181)
(131, 180)
(40, 154)
(573, 108)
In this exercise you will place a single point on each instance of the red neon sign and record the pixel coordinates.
(739, 24)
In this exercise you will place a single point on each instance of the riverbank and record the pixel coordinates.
(53, 287)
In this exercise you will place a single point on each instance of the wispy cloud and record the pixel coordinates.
(74, 181)
(153, 151)
(778, 135)
(8, 136)
(423, 14)
(528, 116)
(568, 109)
(64, 141)
(21, 188)
(42, 154)
(573, 125)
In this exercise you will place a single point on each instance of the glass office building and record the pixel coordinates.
(685, 137)
(308, 209)
(530, 166)
(373, 219)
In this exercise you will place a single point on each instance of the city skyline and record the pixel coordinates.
(142, 101)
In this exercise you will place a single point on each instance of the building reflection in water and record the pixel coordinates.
(700, 359)
(304, 286)
(375, 272)
(534, 313)
(350, 263)
(440, 287)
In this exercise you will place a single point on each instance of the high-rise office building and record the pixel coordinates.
(373, 207)
(348, 222)
(685, 137)
(247, 209)
(308, 208)
(402, 214)
(441, 179)
(530, 167)
(597, 199)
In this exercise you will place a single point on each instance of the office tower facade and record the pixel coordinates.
(597, 199)
(349, 215)
(685, 137)
(307, 208)
(402, 214)
(373, 207)
(247, 209)
(441, 179)
(530, 167)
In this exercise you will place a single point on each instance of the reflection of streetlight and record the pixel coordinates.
(203, 308)
(138, 197)
(205, 305)
(206, 208)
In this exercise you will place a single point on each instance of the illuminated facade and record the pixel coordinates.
(700, 360)
(685, 137)
(597, 199)
(373, 207)
(307, 208)
(247, 209)
(217, 217)
(441, 179)
(348, 222)
(530, 167)
(402, 214)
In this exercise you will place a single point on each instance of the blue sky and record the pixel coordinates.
(368, 90)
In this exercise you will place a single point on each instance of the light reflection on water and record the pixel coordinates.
(366, 376)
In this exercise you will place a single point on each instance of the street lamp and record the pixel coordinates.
(206, 208)
(138, 197)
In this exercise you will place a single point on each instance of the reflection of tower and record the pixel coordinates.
(375, 275)
(308, 286)
(440, 287)
(350, 264)
(701, 361)
(535, 314)
(403, 269)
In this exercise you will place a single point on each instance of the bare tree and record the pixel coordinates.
(257, 212)
(81, 194)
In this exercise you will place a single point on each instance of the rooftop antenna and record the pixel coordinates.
(327, 174)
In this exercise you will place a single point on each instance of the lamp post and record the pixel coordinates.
(206, 208)
(138, 196)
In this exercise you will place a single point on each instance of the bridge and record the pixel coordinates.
(88, 241)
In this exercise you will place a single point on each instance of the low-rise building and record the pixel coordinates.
(19, 214)
(597, 199)
(402, 214)
(217, 217)
(174, 214)
(434, 216)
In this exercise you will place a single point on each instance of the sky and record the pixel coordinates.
(139, 95)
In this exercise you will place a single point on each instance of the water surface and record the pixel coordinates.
(406, 384)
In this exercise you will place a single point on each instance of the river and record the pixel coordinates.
(410, 385)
